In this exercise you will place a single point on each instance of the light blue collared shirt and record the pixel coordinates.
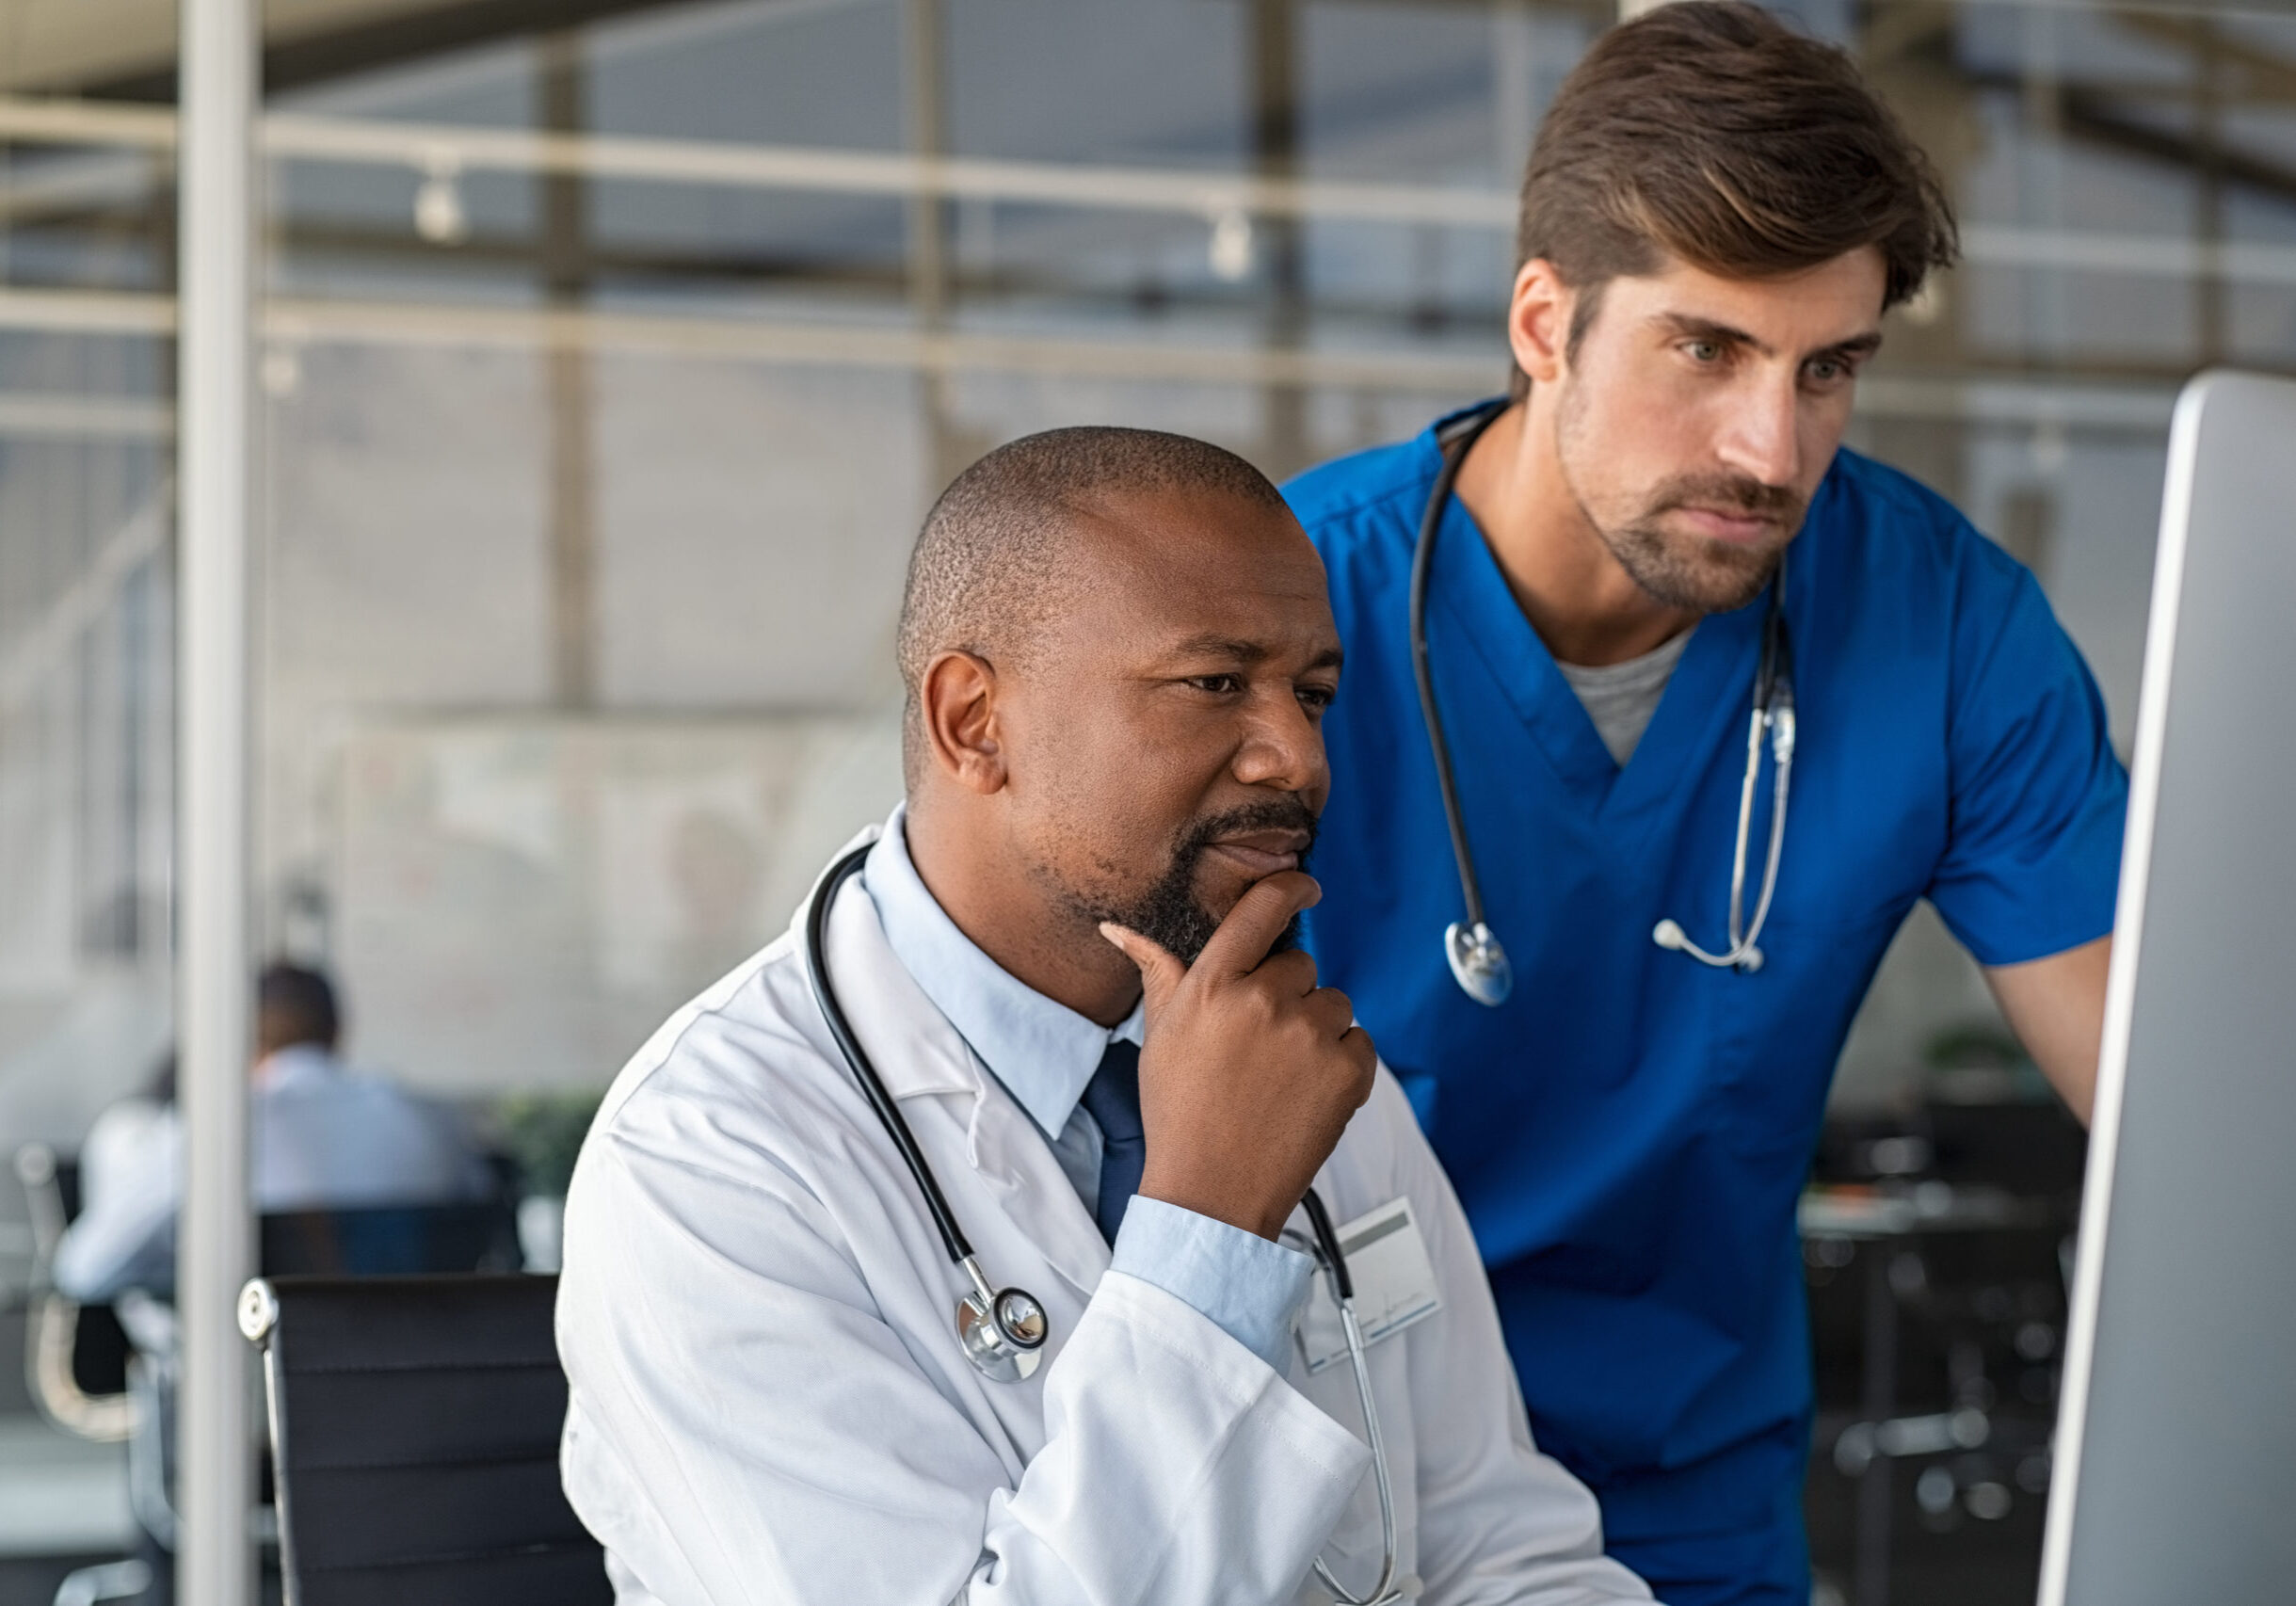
(1044, 1053)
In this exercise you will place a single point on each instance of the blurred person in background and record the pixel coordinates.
(1629, 583)
(324, 1136)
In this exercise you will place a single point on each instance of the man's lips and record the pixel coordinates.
(1262, 853)
(1736, 527)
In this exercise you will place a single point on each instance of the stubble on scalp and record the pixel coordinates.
(997, 560)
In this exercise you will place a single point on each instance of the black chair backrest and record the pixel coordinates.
(67, 1174)
(414, 1425)
(390, 1240)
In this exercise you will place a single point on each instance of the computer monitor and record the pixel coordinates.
(2176, 1446)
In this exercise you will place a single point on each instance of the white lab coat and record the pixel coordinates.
(768, 1403)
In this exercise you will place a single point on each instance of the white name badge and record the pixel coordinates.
(1394, 1279)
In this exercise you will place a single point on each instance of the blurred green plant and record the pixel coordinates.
(543, 1132)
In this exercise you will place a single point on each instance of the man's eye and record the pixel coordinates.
(1221, 684)
(1702, 351)
(1829, 370)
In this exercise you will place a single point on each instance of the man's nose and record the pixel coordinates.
(1763, 436)
(1282, 746)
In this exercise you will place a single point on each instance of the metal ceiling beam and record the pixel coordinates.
(311, 44)
(2132, 405)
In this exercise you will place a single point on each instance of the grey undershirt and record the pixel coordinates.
(1621, 698)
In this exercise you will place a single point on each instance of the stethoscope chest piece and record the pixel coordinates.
(1478, 962)
(1007, 1346)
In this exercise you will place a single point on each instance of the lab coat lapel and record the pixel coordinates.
(920, 1057)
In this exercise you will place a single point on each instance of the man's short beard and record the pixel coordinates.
(1724, 580)
(1167, 912)
(1671, 571)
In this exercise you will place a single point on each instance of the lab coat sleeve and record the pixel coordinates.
(745, 1425)
(1499, 1521)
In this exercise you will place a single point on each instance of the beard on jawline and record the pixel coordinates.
(1168, 912)
(1723, 578)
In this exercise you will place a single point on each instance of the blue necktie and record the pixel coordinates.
(1113, 1100)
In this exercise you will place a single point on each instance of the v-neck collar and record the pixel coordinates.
(1711, 687)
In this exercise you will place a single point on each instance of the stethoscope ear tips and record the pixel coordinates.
(1669, 934)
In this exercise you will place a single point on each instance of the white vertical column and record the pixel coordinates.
(215, 462)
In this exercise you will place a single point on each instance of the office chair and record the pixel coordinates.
(75, 1355)
(84, 1376)
(414, 1429)
(390, 1240)
(90, 1379)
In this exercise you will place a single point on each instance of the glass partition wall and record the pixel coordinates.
(607, 374)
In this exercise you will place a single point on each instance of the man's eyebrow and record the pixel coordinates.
(1212, 645)
(1685, 327)
(1863, 344)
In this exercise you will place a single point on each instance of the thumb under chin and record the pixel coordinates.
(1142, 950)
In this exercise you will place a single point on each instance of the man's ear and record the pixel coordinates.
(957, 701)
(1538, 320)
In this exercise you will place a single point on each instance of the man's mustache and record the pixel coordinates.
(1274, 814)
(1729, 493)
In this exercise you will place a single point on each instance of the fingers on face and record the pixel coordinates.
(1258, 918)
(1156, 963)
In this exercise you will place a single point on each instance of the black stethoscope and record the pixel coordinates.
(1003, 1331)
(1478, 960)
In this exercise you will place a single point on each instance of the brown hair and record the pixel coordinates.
(1709, 132)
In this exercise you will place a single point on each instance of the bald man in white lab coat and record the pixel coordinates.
(1067, 958)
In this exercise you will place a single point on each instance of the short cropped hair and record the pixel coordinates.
(986, 568)
(295, 1005)
(1709, 132)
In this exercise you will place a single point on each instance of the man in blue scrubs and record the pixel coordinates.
(1716, 215)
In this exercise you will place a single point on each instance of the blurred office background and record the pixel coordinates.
(613, 350)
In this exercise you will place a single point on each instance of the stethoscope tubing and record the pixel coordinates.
(1773, 713)
(1452, 447)
(857, 1059)
(896, 1128)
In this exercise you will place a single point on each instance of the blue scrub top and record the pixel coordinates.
(1631, 1130)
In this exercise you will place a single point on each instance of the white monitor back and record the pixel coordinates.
(2176, 1446)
